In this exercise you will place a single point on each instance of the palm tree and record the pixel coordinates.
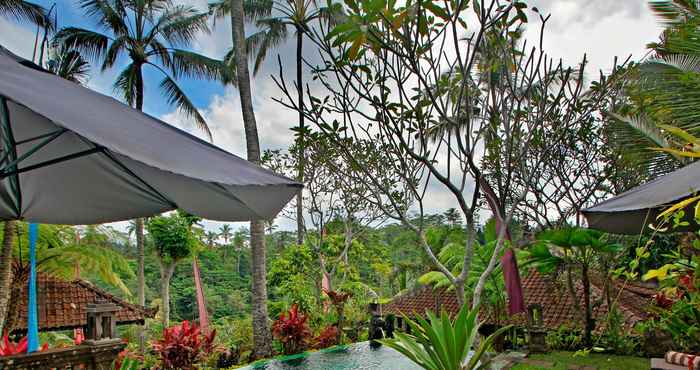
(298, 14)
(262, 338)
(661, 91)
(225, 233)
(150, 33)
(210, 237)
(68, 64)
(240, 238)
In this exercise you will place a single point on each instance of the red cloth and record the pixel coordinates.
(514, 288)
(201, 305)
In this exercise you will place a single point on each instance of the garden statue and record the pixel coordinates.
(537, 333)
(376, 325)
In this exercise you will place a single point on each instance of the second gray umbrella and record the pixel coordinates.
(632, 211)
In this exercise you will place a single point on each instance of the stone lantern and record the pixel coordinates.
(101, 323)
(537, 333)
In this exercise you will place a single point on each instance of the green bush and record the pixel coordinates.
(565, 339)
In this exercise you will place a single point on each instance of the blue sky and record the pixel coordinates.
(601, 29)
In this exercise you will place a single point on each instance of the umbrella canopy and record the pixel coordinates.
(69, 155)
(631, 211)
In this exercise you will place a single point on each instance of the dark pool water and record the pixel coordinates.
(358, 356)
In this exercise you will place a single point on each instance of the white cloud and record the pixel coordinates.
(17, 38)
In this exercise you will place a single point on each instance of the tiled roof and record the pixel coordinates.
(558, 307)
(62, 305)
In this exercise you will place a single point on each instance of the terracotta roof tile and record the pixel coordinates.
(557, 304)
(62, 305)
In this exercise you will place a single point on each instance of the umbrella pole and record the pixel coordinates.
(32, 324)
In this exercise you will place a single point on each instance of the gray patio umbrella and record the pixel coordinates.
(631, 211)
(69, 155)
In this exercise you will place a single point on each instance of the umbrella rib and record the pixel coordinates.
(12, 149)
(222, 188)
(126, 169)
(50, 162)
(29, 153)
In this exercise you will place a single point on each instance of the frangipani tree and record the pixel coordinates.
(386, 80)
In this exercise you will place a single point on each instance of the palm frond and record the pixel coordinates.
(674, 84)
(273, 32)
(109, 14)
(636, 135)
(181, 24)
(254, 9)
(89, 43)
(115, 49)
(127, 82)
(161, 53)
(69, 64)
(24, 11)
(175, 96)
(187, 63)
(102, 262)
(673, 12)
(333, 15)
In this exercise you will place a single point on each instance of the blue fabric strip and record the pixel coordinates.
(32, 324)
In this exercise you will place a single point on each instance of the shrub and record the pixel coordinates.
(565, 339)
(292, 330)
(615, 339)
(328, 337)
(439, 343)
(183, 345)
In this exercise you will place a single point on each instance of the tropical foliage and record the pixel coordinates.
(439, 343)
(183, 346)
(292, 330)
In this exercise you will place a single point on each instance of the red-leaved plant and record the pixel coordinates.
(8, 348)
(292, 331)
(182, 346)
(327, 337)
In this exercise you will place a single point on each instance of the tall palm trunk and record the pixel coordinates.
(6, 270)
(301, 154)
(140, 247)
(262, 337)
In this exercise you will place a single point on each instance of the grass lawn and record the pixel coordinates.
(562, 360)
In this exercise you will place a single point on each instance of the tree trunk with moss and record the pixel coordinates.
(166, 274)
(262, 337)
(6, 270)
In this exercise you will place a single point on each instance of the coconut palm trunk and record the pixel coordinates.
(262, 337)
(301, 158)
(6, 270)
(140, 245)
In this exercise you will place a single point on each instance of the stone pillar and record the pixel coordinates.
(537, 333)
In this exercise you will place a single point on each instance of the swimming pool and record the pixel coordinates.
(357, 356)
